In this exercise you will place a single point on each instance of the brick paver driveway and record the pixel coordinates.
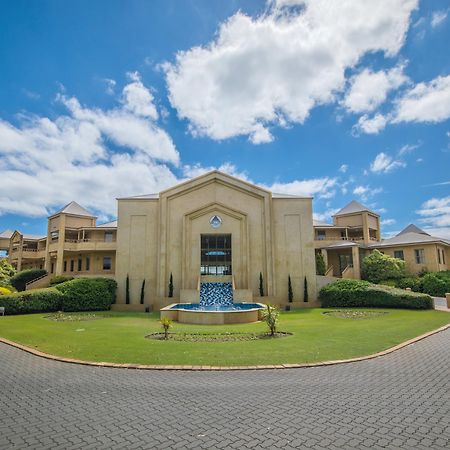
(397, 401)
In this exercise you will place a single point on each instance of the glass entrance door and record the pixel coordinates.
(215, 257)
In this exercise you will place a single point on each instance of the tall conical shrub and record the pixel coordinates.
(127, 291)
(261, 285)
(305, 291)
(143, 292)
(171, 285)
(290, 292)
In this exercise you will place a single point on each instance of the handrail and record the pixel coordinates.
(36, 279)
(330, 269)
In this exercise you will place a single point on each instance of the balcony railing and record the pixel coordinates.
(78, 241)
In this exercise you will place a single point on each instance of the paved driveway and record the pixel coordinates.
(397, 401)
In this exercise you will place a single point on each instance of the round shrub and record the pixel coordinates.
(435, 284)
(58, 279)
(87, 294)
(32, 301)
(378, 266)
(355, 293)
(4, 291)
(20, 279)
(414, 283)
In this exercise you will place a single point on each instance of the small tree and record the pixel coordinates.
(305, 290)
(127, 290)
(290, 292)
(378, 266)
(171, 285)
(6, 271)
(166, 323)
(320, 264)
(270, 315)
(143, 292)
(261, 285)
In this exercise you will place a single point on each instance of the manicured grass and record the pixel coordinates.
(119, 337)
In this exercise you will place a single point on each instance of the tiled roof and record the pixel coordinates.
(6, 234)
(411, 228)
(352, 207)
(75, 209)
(112, 224)
(409, 238)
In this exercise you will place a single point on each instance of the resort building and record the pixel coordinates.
(216, 228)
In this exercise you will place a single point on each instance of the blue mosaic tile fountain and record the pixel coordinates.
(216, 294)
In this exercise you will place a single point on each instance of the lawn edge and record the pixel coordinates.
(220, 368)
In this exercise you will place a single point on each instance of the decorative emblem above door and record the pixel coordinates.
(215, 221)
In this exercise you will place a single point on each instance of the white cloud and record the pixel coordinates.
(273, 69)
(110, 85)
(370, 125)
(343, 168)
(408, 148)
(425, 102)
(388, 222)
(326, 215)
(138, 99)
(46, 163)
(384, 163)
(368, 89)
(436, 212)
(366, 192)
(438, 17)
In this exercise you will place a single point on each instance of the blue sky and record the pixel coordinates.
(337, 100)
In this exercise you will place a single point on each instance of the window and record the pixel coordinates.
(215, 254)
(54, 235)
(420, 256)
(88, 263)
(79, 264)
(399, 254)
(65, 266)
(72, 265)
(109, 236)
(107, 262)
(52, 268)
(443, 257)
(321, 235)
(439, 256)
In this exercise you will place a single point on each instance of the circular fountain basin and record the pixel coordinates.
(213, 315)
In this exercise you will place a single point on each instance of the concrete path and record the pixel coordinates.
(398, 401)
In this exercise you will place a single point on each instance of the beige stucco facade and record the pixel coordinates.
(161, 235)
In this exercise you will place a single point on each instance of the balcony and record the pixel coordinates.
(88, 244)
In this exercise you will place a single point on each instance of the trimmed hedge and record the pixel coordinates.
(58, 279)
(436, 283)
(20, 279)
(80, 294)
(87, 294)
(355, 293)
(32, 301)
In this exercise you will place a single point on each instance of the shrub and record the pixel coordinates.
(6, 271)
(290, 291)
(320, 264)
(58, 279)
(270, 315)
(355, 293)
(171, 285)
(143, 292)
(166, 323)
(261, 285)
(436, 284)
(414, 283)
(32, 301)
(4, 291)
(87, 294)
(377, 267)
(20, 279)
(305, 290)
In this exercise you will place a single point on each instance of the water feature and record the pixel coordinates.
(216, 294)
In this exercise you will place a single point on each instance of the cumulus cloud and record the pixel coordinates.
(388, 222)
(366, 192)
(343, 168)
(371, 125)
(368, 89)
(435, 212)
(46, 163)
(438, 17)
(384, 163)
(273, 69)
(425, 102)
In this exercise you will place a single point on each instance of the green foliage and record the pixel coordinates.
(355, 293)
(58, 279)
(166, 323)
(6, 271)
(305, 290)
(412, 282)
(377, 266)
(261, 285)
(270, 315)
(127, 290)
(436, 284)
(32, 301)
(4, 291)
(171, 285)
(290, 292)
(20, 279)
(143, 292)
(320, 264)
(87, 294)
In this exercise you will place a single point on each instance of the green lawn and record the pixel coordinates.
(119, 337)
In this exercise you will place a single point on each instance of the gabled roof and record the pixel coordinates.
(411, 228)
(6, 234)
(410, 238)
(318, 223)
(353, 207)
(112, 224)
(140, 197)
(75, 209)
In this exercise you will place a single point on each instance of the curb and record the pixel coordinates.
(221, 368)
